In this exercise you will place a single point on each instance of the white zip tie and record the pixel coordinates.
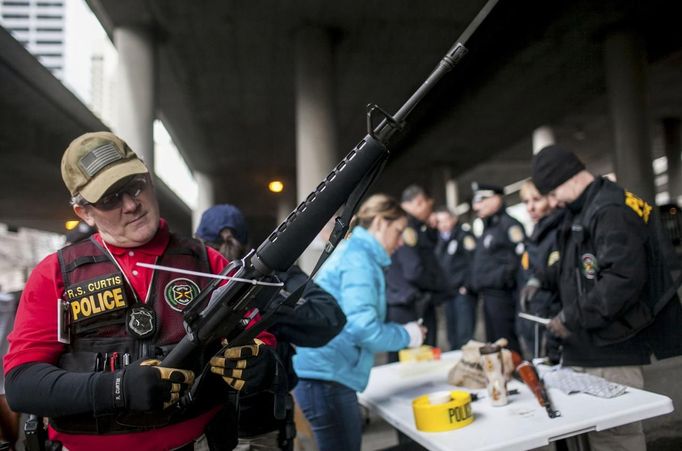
(206, 274)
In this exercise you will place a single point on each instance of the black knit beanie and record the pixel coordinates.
(552, 166)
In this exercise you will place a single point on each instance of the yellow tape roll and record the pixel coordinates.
(446, 416)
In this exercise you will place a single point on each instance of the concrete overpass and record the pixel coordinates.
(38, 119)
(253, 90)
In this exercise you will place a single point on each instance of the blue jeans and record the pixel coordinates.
(460, 319)
(333, 412)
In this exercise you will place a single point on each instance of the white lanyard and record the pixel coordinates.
(149, 286)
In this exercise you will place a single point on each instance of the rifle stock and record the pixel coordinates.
(529, 375)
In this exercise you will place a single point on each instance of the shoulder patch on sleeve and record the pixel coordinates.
(553, 258)
(469, 243)
(639, 206)
(410, 236)
(515, 234)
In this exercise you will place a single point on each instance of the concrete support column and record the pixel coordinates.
(543, 136)
(672, 143)
(451, 194)
(205, 197)
(284, 207)
(626, 64)
(316, 151)
(135, 86)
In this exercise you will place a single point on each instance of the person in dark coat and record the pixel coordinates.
(415, 281)
(537, 296)
(619, 304)
(496, 263)
(455, 248)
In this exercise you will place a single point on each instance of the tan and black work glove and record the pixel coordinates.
(144, 386)
(246, 368)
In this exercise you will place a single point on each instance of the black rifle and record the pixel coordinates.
(223, 317)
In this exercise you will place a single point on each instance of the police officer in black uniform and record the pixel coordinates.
(496, 263)
(415, 281)
(619, 304)
(538, 294)
(455, 248)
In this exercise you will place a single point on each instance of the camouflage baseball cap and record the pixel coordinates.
(93, 162)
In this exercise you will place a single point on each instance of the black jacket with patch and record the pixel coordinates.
(497, 256)
(611, 277)
(455, 255)
(414, 269)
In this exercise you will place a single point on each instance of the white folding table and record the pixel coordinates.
(522, 424)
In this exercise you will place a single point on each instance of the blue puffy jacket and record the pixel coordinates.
(354, 275)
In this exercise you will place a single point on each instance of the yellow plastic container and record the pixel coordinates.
(420, 354)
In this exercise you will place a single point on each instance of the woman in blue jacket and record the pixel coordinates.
(330, 376)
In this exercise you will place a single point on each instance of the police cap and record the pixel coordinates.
(484, 190)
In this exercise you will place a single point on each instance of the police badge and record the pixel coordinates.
(141, 321)
(487, 241)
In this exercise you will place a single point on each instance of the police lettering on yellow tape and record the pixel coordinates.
(95, 297)
(433, 416)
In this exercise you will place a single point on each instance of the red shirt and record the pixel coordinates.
(34, 339)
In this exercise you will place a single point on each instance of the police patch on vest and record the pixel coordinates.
(96, 297)
(410, 236)
(469, 243)
(553, 258)
(452, 247)
(179, 293)
(590, 266)
(141, 321)
(515, 233)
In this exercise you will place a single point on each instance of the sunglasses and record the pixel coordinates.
(111, 201)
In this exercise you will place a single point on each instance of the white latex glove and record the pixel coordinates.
(417, 332)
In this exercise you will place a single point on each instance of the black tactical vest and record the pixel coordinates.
(105, 317)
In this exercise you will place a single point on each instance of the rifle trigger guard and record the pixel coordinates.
(371, 108)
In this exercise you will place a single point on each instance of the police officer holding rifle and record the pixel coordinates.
(92, 325)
